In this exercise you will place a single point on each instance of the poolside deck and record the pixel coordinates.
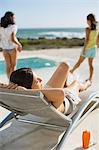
(20, 136)
(74, 142)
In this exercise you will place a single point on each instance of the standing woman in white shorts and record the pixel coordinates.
(89, 50)
(9, 42)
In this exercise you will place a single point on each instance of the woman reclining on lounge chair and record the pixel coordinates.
(64, 99)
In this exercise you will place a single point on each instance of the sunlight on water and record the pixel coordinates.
(33, 62)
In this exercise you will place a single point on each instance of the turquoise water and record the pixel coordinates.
(51, 33)
(34, 63)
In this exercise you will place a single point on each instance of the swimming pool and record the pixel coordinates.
(34, 63)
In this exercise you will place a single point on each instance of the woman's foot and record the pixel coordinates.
(89, 80)
(85, 85)
(88, 83)
(71, 71)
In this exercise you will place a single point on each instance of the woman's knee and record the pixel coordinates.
(81, 59)
(79, 63)
(13, 65)
(65, 65)
(57, 102)
(8, 65)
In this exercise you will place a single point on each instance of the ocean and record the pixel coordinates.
(51, 33)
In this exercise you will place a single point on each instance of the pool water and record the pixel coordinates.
(34, 63)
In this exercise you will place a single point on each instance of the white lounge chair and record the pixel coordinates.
(21, 103)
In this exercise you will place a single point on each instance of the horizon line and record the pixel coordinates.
(48, 27)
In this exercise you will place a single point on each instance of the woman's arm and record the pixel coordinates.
(97, 41)
(53, 95)
(86, 38)
(15, 40)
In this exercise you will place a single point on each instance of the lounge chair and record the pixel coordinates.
(21, 103)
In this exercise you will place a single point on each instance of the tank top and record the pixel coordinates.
(92, 39)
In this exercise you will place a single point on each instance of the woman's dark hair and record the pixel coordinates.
(7, 19)
(93, 21)
(22, 77)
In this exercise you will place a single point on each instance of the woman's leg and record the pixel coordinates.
(91, 69)
(60, 76)
(84, 86)
(81, 59)
(75, 87)
(13, 55)
(8, 62)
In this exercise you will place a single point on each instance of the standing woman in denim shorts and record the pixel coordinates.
(89, 50)
(9, 42)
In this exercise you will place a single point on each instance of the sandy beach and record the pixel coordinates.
(23, 137)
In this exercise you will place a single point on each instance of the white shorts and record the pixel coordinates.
(70, 100)
(67, 106)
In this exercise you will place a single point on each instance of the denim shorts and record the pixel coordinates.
(90, 53)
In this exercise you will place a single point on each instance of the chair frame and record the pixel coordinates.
(73, 119)
(80, 116)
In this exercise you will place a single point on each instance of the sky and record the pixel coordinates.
(50, 13)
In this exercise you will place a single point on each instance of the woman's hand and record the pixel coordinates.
(8, 86)
(20, 88)
(84, 52)
(19, 48)
(16, 87)
(2, 85)
(12, 86)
